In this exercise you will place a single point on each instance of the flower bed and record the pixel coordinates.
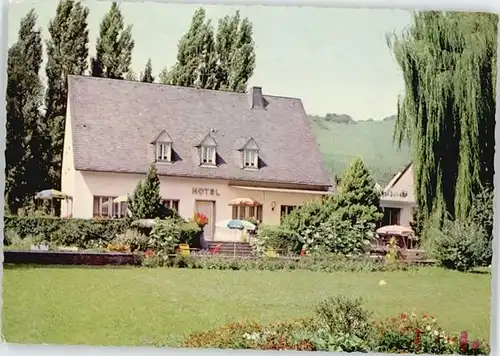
(341, 325)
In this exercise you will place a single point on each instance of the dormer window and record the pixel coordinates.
(208, 151)
(250, 159)
(163, 152)
(208, 154)
(250, 154)
(163, 147)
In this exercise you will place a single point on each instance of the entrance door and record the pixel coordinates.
(207, 207)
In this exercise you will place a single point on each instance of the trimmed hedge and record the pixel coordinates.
(82, 233)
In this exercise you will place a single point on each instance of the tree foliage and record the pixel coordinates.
(235, 53)
(221, 61)
(447, 114)
(196, 60)
(343, 222)
(146, 202)
(358, 197)
(25, 150)
(147, 75)
(67, 53)
(114, 46)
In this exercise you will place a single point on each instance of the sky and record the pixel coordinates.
(335, 60)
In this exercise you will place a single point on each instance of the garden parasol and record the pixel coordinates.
(236, 224)
(51, 194)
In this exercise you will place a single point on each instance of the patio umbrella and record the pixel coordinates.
(236, 224)
(144, 223)
(244, 201)
(395, 230)
(404, 232)
(49, 194)
(121, 199)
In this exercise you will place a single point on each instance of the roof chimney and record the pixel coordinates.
(255, 98)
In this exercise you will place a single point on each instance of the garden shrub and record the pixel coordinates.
(281, 239)
(165, 236)
(338, 236)
(135, 239)
(168, 233)
(305, 217)
(481, 213)
(81, 233)
(459, 244)
(344, 316)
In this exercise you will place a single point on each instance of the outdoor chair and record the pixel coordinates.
(215, 250)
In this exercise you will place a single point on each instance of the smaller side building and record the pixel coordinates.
(398, 198)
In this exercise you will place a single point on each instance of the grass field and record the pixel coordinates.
(134, 306)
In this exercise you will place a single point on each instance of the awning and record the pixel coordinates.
(278, 190)
(244, 201)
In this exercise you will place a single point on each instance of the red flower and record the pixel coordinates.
(416, 340)
(463, 341)
(149, 253)
(475, 345)
(404, 316)
(200, 219)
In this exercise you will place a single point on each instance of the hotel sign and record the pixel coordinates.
(205, 191)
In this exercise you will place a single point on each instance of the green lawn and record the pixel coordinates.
(133, 306)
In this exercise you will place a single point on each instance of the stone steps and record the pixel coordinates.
(229, 248)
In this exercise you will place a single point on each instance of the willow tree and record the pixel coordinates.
(447, 113)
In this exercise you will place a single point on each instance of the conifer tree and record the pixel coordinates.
(358, 197)
(114, 46)
(163, 76)
(147, 75)
(67, 53)
(146, 202)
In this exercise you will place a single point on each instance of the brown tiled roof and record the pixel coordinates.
(114, 123)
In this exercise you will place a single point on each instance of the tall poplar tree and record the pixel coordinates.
(235, 53)
(114, 46)
(196, 58)
(24, 145)
(221, 61)
(67, 53)
(448, 62)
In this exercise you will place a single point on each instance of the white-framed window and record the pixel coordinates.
(208, 154)
(104, 207)
(171, 204)
(250, 158)
(243, 212)
(163, 152)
